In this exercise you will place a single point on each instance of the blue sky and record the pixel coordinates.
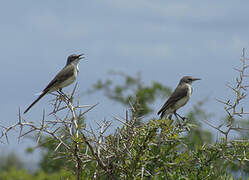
(164, 40)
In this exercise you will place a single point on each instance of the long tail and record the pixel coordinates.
(162, 113)
(43, 93)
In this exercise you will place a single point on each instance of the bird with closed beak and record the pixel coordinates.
(178, 98)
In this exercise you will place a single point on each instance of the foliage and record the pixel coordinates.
(50, 161)
(132, 92)
(10, 160)
(197, 136)
(21, 174)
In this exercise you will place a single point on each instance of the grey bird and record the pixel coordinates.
(178, 98)
(64, 78)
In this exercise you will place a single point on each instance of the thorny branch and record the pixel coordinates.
(70, 125)
(233, 107)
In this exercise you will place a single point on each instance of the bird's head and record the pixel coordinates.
(188, 79)
(74, 58)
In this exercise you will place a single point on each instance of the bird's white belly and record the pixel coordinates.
(181, 102)
(67, 82)
(70, 80)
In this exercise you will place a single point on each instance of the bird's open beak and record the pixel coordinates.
(195, 79)
(80, 56)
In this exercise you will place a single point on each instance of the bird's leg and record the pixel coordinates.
(185, 122)
(183, 118)
(63, 94)
(180, 125)
(176, 117)
(60, 92)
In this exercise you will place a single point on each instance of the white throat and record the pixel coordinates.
(77, 67)
(189, 89)
(76, 64)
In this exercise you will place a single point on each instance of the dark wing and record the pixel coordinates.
(180, 92)
(63, 75)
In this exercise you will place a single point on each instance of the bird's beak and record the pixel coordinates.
(195, 79)
(80, 56)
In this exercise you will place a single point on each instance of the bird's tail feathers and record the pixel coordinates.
(163, 113)
(160, 111)
(42, 94)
